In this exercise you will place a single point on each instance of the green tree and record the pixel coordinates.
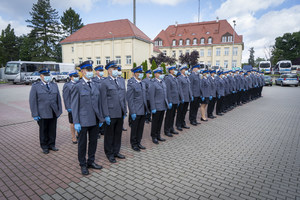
(71, 21)
(28, 46)
(153, 66)
(134, 65)
(9, 45)
(45, 24)
(145, 68)
(251, 57)
(163, 65)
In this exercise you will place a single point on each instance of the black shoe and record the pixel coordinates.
(174, 132)
(205, 120)
(194, 123)
(197, 122)
(53, 148)
(179, 128)
(168, 134)
(161, 139)
(150, 120)
(135, 148)
(214, 116)
(124, 129)
(112, 160)
(120, 156)
(141, 146)
(99, 136)
(84, 170)
(45, 151)
(147, 121)
(155, 141)
(94, 166)
(186, 127)
(220, 114)
(210, 117)
(74, 142)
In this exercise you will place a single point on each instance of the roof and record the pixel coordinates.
(213, 29)
(122, 28)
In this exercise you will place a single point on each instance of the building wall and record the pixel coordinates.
(212, 60)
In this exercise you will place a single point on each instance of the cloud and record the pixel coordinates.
(19, 28)
(161, 2)
(84, 5)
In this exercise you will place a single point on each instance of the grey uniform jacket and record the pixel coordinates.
(246, 85)
(249, 81)
(44, 102)
(213, 88)
(185, 87)
(113, 106)
(158, 95)
(136, 97)
(205, 87)
(174, 94)
(122, 87)
(86, 104)
(147, 82)
(220, 85)
(67, 89)
(237, 82)
(195, 84)
(227, 86)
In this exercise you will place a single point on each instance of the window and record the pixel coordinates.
(98, 60)
(174, 54)
(180, 52)
(88, 58)
(80, 60)
(234, 63)
(229, 38)
(208, 52)
(160, 43)
(202, 41)
(226, 63)
(73, 61)
(226, 51)
(195, 41)
(180, 42)
(217, 62)
(107, 59)
(128, 60)
(201, 52)
(72, 49)
(209, 63)
(235, 51)
(209, 41)
(118, 60)
(218, 51)
(174, 43)
(224, 39)
(187, 42)
(165, 52)
(156, 43)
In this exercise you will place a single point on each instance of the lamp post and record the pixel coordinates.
(112, 45)
(233, 43)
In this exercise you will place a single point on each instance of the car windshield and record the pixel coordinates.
(285, 65)
(64, 73)
(290, 76)
(12, 68)
(265, 65)
(35, 74)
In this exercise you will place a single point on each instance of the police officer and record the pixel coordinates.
(213, 90)
(245, 88)
(87, 112)
(185, 88)
(159, 104)
(148, 82)
(174, 96)
(45, 106)
(220, 86)
(195, 86)
(137, 104)
(206, 94)
(67, 89)
(98, 79)
(114, 111)
(122, 88)
(227, 92)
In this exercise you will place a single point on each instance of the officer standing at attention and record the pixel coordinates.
(98, 79)
(195, 86)
(220, 85)
(122, 87)
(185, 88)
(213, 89)
(67, 89)
(114, 111)
(206, 94)
(174, 96)
(148, 82)
(87, 112)
(159, 104)
(137, 104)
(45, 106)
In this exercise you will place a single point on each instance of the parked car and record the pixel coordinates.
(54, 76)
(287, 79)
(268, 80)
(63, 76)
(35, 76)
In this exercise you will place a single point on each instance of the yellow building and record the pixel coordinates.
(213, 40)
(118, 40)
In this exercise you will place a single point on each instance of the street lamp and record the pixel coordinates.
(233, 43)
(112, 45)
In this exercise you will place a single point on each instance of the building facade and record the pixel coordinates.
(118, 40)
(213, 40)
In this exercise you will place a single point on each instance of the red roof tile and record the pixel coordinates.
(197, 30)
(122, 28)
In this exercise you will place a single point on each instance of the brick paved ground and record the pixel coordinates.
(250, 153)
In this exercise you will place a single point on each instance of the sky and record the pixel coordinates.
(259, 21)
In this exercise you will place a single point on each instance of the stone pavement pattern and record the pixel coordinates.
(251, 152)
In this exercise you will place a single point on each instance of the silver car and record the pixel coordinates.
(287, 79)
(63, 76)
(35, 76)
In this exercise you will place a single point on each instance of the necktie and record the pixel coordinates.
(48, 86)
(89, 83)
(116, 82)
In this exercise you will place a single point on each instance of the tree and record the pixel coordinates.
(189, 59)
(257, 60)
(134, 65)
(163, 65)
(153, 66)
(251, 57)
(162, 58)
(145, 68)
(286, 47)
(71, 21)
(9, 45)
(44, 21)
(28, 46)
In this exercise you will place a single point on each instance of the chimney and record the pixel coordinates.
(217, 19)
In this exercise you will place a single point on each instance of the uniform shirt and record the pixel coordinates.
(185, 88)
(147, 82)
(158, 95)
(67, 89)
(174, 94)
(212, 88)
(195, 84)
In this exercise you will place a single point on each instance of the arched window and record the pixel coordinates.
(195, 41)
(174, 43)
(202, 41)
(187, 42)
(180, 42)
(209, 41)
